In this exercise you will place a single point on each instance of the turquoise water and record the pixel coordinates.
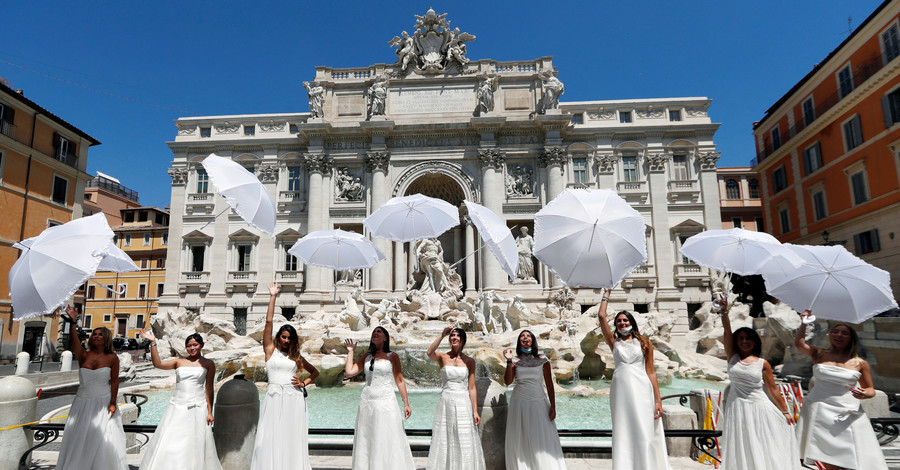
(335, 407)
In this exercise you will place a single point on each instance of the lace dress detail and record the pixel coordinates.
(455, 444)
(532, 441)
(282, 436)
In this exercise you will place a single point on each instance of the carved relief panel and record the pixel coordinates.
(519, 179)
(349, 183)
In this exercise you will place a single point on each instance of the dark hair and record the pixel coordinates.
(386, 347)
(293, 351)
(196, 337)
(107, 340)
(462, 337)
(754, 336)
(645, 342)
(534, 344)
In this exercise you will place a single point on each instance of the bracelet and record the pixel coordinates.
(152, 345)
(604, 299)
(508, 361)
(786, 413)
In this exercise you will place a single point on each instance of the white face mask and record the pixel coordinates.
(526, 350)
(624, 331)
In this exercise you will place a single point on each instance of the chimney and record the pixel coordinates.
(21, 92)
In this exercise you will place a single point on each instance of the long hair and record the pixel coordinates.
(462, 337)
(754, 336)
(196, 337)
(293, 349)
(645, 342)
(853, 348)
(386, 347)
(534, 345)
(107, 340)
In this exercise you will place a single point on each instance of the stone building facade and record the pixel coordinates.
(445, 126)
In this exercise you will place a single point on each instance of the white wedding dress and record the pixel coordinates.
(755, 434)
(182, 439)
(455, 444)
(379, 441)
(532, 441)
(282, 436)
(92, 439)
(833, 428)
(638, 440)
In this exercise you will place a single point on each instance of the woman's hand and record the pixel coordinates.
(298, 383)
(72, 313)
(859, 393)
(274, 289)
(446, 331)
(476, 417)
(350, 345)
(148, 335)
(209, 419)
(508, 354)
(658, 410)
(789, 417)
(112, 408)
(407, 411)
(552, 412)
(805, 314)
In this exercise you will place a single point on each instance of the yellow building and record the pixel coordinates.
(144, 236)
(42, 177)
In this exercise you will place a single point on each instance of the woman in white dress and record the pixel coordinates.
(93, 437)
(455, 444)
(379, 439)
(833, 429)
(282, 435)
(532, 441)
(183, 437)
(757, 432)
(635, 404)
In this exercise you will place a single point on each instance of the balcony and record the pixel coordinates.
(290, 280)
(241, 281)
(642, 276)
(291, 201)
(684, 191)
(691, 274)
(199, 204)
(194, 280)
(8, 129)
(633, 191)
(67, 157)
(113, 187)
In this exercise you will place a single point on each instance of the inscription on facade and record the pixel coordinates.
(346, 145)
(432, 100)
(433, 142)
(352, 105)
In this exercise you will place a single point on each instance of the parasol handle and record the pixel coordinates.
(214, 218)
(119, 292)
(472, 253)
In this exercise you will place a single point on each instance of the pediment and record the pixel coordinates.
(196, 235)
(689, 225)
(289, 233)
(244, 234)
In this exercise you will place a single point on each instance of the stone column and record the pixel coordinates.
(176, 231)
(491, 161)
(554, 159)
(316, 166)
(662, 244)
(709, 190)
(377, 163)
(266, 265)
(470, 261)
(399, 268)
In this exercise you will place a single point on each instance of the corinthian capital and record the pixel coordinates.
(657, 162)
(552, 156)
(491, 158)
(179, 176)
(708, 160)
(606, 163)
(377, 161)
(318, 163)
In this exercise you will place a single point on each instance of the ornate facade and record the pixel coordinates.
(446, 126)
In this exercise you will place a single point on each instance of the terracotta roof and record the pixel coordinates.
(62, 122)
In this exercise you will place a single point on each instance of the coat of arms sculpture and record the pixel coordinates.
(433, 47)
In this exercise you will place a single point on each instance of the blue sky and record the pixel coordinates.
(123, 71)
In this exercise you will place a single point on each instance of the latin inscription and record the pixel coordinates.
(431, 100)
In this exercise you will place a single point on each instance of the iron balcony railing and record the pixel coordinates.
(8, 129)
(860, 73)
(113, 187)
(67, 157)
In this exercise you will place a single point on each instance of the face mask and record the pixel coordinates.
(526, 350)
(624, 331)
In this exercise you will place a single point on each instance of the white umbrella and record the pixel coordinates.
(497, 236)
(337, 249)
(740, 251)
(590, 238)
(242, 191)
(410, 218)
(117, 261)
(833, 284)
(55, 263)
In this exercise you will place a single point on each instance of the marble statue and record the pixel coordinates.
(432, 47)
(456, 48)
(520, 182)
(553, 89)
(346, 187)
(406, 50)
(431, 262)
(351, 314)
(525, 246)
(349, 276)
(485, 93)
(316, 95)
(378, 96)
(518, 313)
(489, 315)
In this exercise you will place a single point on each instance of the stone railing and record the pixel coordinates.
(189, 276)
(241, 276)
(351, 74)
(628, 187)
(682, 186)
(516, 67)
(200, 197)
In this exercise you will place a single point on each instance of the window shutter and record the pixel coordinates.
(820, 160)
(856, 244)
(806, 166)
(876, 243)
(886, 111)
(9, 114)
(55, 144)
(857, 130)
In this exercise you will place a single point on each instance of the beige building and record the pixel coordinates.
(739, 198)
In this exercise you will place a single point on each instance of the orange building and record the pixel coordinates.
(828, 151)
(144, 236)
(739, 198)
(42, 177)
(106, 194)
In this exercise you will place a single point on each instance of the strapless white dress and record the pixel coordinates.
(182, 439)
(455, 444)
(833, 428)
(282, 436)
(92, 439)
(532, 441)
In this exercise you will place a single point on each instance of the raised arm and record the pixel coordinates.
(774, 391)
(473, 392)
(351, 368)
(432, 353)
(604, 323)
(800, 339)
(74, 338)
(551, 392)
(728, 339)
(651, 373)
(210, 367)
(510, 373)
(113, 383)
(401, 384)
(268, 342)
(154, 353)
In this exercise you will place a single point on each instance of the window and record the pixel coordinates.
(629, 168)
(682, 239)
(54, 223)
(866, 242)
(160, 263)
(732, 189)
(142, 216)
(760, 226)
(249, 130)
(126, 239)
(240, 321)
(107, 318)
(785, 219)
(159, 289)
(288, 312)
(809, 111)
(7, 115)
(890, 43)
(624, 117)
(86, 321)
(205, 131)
(845, 81)
(146, 239)
(737, 222)
(139, 321)
(819, 209)
(890, 108)
(109, 293)
(91, 292)
(142, 291)
(578, 118)
(165, 238)
(243, 257)
(779, 179)
(776, 138)
(680, 167)
(858, 187)
(579, 166)
(290, 261)
(812, 158)
(674, 115)
(853, 136)
(753, 188)
(64, 148)
(124, 291)
(197, 253)
(128, 217)
(293, 178)
(60, 190)
(145, 263)
(202, 181)
(293, 129)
